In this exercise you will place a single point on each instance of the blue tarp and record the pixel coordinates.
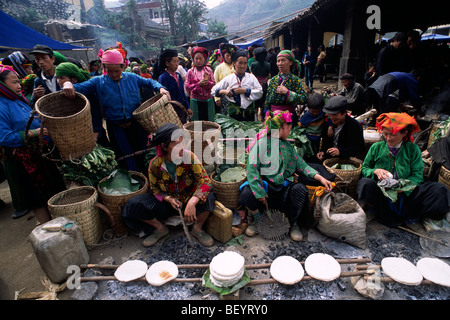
(438, 37)
(17, 36)
(245, 45)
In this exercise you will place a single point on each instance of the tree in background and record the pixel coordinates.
(216, 28)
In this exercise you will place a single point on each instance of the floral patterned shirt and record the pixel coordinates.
(295, 95)
(191, 179)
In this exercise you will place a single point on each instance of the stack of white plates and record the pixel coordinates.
(226, 269)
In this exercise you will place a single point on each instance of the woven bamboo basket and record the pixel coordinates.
(227, 193)
(156, 112)
(69, 123)
(346, 180)
(116, 203)
(444, 176)
(79, 205)
(206, 132)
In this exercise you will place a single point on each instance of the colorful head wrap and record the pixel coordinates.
(28, 80)
(71, 70)
(273, 121)
(19, 61)
(112, 56)
(396, 122)
(6, 91)
(201, 50)
(289, 55)
(214, 56)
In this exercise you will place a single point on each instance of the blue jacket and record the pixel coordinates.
(14, 116)
(118, 99)
(177, 92)
(311, 57)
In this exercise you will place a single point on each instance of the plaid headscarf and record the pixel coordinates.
(19, 61)
(273, 121)
(396, 122)
(289, 55)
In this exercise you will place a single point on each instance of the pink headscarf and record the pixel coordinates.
(112, 57)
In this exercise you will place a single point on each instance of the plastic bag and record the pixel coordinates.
(119, 182)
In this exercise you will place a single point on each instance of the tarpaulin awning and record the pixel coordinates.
(245, 45)
(17, 36)
(438, 37)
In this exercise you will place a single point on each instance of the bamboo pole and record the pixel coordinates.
(205, 266)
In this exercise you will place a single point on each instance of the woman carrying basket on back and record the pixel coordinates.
(118, 93)
(32, 178)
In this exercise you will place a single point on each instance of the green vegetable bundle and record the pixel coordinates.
(91, 168)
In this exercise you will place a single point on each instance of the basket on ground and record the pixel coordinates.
(156, 112)
(346, 180)
(444, 176)
(227, 193)
(69, 123)
(78, 204)
(116, 203)
(205, 137)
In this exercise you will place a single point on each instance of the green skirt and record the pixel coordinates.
(204, 110)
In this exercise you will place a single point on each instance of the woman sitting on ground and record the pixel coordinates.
(177, 181)
(392, 186)
(271, 167)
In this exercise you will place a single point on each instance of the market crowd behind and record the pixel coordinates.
(254, 85)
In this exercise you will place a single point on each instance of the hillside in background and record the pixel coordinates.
(243, 14)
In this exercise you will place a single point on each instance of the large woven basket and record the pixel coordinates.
(116, 203)
(156, 112)
(444, 176)
(227, 193)
(204, 135)
(78, 204)
(346, 180)
(69, 123)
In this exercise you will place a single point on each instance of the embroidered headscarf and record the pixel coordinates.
(203, 51)
(71, 70)
(273, 121)
(396, 121)
(289, 55)
(28, 80)
(215, 56)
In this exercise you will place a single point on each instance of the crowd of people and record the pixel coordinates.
(248, 85)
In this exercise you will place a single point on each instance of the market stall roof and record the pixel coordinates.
(245, 45)
(17, 36)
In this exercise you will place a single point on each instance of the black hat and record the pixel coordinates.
(335, 105)
(164, 134)
(40, 48)
(347, 76)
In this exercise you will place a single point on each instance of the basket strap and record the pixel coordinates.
(179, 105)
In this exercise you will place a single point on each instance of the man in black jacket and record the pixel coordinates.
(348, 138)
(46, 81)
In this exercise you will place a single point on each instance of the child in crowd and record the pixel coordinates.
(199, 81)
(171, 79)
(315, 120)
